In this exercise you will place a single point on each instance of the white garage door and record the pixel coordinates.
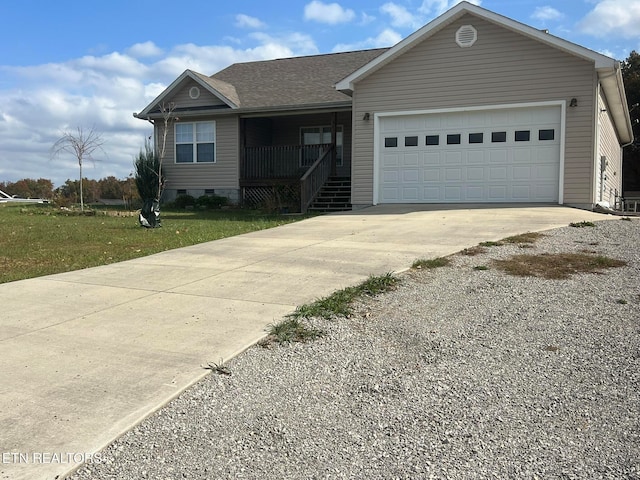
(501, 155)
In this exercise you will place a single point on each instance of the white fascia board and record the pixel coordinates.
(613, 89)
(143, 114)
(600, 61)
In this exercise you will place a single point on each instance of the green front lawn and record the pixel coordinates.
(42, 240)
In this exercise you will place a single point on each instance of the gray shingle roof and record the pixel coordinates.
(298, 81)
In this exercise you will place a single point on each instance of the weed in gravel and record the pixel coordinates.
(621, 301)
(339, 303)
(431, 263)
(582, 224)
(290, 330)
(529, 237)
(219, 368)
(491, 244)
(626, 219)
(481, 267)
(473, 251)
(556, 266)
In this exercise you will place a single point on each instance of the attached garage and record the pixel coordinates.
(483, 155)
(477, 108)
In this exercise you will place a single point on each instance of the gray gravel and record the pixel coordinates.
(457, 374)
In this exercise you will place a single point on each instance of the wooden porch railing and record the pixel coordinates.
(313, 180)
(279, 162)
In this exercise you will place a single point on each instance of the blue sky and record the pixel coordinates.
(71, 63)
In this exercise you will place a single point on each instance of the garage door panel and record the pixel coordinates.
(452, 158)
(452, 193)
(498, 155)
(411, 175)
(475, 194)
(431, 175)
(475, 174)
(431, 194)
(476, 156)
(521, 172)
(452, 174)
(521, 192)
(432, 158)
(487, 165)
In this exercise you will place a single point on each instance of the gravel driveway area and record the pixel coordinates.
(459, 373)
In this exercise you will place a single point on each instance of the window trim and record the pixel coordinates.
(194, 142)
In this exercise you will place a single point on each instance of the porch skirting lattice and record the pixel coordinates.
(272, 197)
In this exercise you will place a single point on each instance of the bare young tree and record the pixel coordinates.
(167, 118)
(81, 144)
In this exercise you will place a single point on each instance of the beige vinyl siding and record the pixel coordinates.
(183, 100)
(502, 67)
(609, 147)
(223, 174)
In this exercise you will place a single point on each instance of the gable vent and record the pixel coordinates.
(466, 36)
(194, 93)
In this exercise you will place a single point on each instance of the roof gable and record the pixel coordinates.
(463, 8)
(221, 90)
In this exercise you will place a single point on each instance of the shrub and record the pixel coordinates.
(211, 201)
(184, 201)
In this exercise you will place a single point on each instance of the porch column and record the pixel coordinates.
(243, 144)
(334, 123)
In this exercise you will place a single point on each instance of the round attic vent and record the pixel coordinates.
(194, 93)
(466, 36)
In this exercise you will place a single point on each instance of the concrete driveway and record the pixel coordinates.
(88, 354)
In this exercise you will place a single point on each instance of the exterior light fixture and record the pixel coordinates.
(573, 102)
(366, 116)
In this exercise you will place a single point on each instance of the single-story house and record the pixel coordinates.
(473, 107)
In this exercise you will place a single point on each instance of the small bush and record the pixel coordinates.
(184, 201)
(210, 202)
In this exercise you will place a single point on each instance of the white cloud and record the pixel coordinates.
(400, 16)
(619, 18)
(38, 102)
(366, 19)
(245, 21)
(331, 13)
(146, 49)
(386, 38)
(547, 13)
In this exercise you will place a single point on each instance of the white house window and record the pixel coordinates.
(319, 136)
(196, 142)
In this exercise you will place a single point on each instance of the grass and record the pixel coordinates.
(529, 237)
(431, 263)
(42, 240)
(582, 224)
(290, 330)
(556, 266)
(340, 302)
(473, 251)
(491, 244)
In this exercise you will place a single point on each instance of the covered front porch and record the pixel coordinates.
(286, 160)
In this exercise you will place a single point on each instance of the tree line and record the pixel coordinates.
(109, 188)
